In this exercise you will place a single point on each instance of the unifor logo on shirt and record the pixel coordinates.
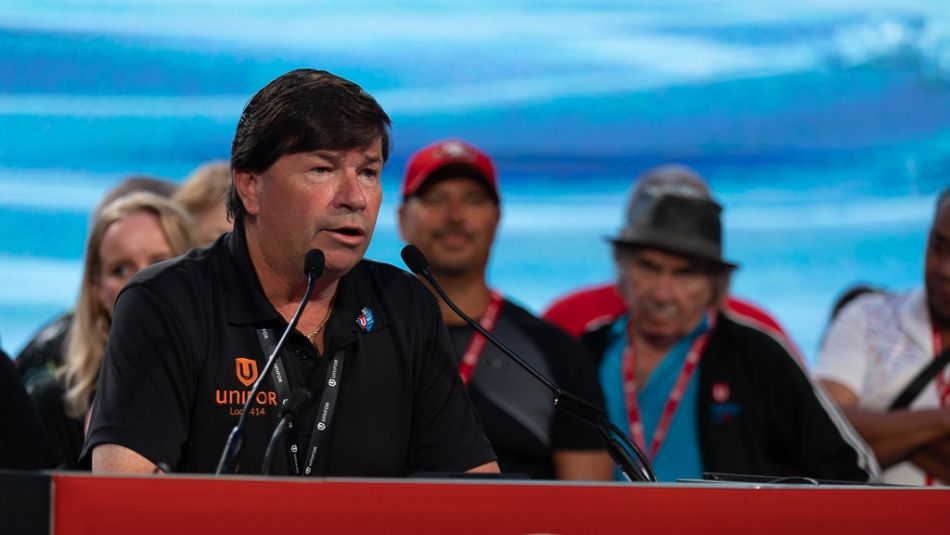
(246, 372)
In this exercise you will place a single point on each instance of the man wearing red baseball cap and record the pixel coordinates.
(450, 211)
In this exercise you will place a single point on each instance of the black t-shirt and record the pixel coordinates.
(517, 411)
(184, 349)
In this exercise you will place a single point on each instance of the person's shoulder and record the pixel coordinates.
(876, 301)
(53, 330)
(182, 285)
(747, 312)
(46, 348)
(195, 264)
(47, 390)
(873, 307)
(522, 317)
(391, 282)
(383, 272)
(518, 312)
(596, 339)
(580, 310)
(750, 341)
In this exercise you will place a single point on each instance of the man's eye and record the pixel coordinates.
(940, 246)
(433, 201)
(687, 273)
(644, 266)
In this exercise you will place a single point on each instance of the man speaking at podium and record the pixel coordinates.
(192, 334)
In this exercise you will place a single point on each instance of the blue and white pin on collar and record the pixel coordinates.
(365, 320)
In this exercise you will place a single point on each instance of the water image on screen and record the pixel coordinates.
(823, 130)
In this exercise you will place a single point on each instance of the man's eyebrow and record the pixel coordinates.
(335, 156)
(326, 154)
(646, 262)
(691, 268)
(371, 158)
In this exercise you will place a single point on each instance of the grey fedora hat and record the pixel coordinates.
(671, 210)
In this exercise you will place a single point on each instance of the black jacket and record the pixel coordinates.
(23, 441)
(760, 414)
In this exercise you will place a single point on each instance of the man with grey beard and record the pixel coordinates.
(698, 390)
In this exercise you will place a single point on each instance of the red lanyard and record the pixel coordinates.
(477, 344)
(943, 388)
(676, 394)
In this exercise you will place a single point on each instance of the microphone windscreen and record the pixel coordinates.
(414, 259)
(314, 263)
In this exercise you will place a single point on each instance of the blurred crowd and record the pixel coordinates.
(704, 382)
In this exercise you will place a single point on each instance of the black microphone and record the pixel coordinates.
(299, 399)
(565, 401)
(313, 266)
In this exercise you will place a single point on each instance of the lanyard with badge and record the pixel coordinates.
(321, 424)
(477, 344)
(675, 396)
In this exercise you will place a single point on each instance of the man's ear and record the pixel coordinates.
(248, 186)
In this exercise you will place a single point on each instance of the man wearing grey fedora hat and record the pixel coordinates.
(697, 390)
(591, 307)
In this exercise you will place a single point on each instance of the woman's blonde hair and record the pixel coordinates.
(89, 332)
(204, 188)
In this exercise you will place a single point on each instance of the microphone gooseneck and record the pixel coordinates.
(299, 399)
(639, 470)
(314, 264)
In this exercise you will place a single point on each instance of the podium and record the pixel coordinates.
(71, 504)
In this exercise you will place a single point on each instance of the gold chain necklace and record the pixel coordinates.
(324, 322)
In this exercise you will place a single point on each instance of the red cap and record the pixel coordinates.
(447, 152)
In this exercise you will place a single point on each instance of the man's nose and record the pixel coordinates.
(350, 193)
(662, 288)
(455, 210)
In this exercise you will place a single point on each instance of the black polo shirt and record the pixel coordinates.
(184, 349)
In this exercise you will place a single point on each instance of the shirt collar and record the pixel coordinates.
(356, 307)
(246, 301)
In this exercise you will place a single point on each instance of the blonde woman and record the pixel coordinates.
(127, 235)
(45, 351)
(202, 196)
